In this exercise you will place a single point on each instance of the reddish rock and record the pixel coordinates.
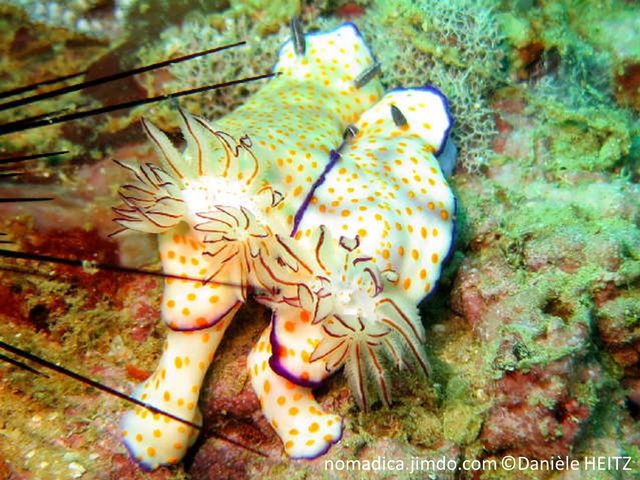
(619, 331)
(537, 414)
(628, 83)
(349, 11)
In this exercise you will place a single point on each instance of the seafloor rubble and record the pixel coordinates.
(534, 333)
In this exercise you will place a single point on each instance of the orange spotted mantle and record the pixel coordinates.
(386, 199)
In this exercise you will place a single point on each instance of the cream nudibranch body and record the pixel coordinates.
(385, 198)
(216, 206)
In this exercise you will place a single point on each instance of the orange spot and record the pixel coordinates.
(444, 214)
(293, 411)
(178, 362)
(293, 431)
(305, 316)
(401, 251)
(151, 452)
(186, 312)
(423, 232)
(289, 326)
(177, 446)
(191, 297)
(304, 376)
(214, 299)
(171, 303)
(201, 322)
(281, 400)
(314, 427)
(157, 433)
(328, 438)
(288, 445)
(423, 274)
(138, 438)
(205, 337)
(171, 254)
(434, 258)
(385, 254)
(166, 396)
(407, 283)
(414, 254)
(267, 386)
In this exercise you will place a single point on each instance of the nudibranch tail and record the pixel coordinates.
(304, 428)
(154, 439)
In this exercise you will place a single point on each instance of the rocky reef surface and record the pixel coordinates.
(534, 332)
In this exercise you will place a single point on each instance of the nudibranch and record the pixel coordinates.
(387, 215)
(216, 207)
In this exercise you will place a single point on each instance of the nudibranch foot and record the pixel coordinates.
(305, 429)
(154, 439)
